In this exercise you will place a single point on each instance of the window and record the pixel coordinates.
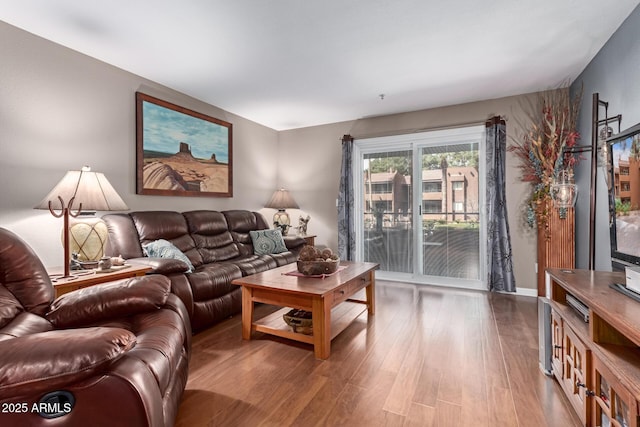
(431, 206)
(432, 187)
(379, 187)
(421, 198)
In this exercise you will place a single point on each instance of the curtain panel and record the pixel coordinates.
(500, 266)
(346, 220)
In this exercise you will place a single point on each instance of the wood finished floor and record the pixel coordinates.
(429, 357)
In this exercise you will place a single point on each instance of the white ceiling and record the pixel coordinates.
(295, 63)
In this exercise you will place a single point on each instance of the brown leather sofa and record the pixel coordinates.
(113, 354)
(218, 244)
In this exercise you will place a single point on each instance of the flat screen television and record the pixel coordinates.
(624, 197)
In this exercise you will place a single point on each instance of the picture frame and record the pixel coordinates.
(180, 152)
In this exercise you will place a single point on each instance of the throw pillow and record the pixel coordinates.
(164, 249)
(267, 242)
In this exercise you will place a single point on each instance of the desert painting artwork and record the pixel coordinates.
(181, 152)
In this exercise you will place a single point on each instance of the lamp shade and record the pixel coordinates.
(281, 199)
(80, 190)
(91, 189)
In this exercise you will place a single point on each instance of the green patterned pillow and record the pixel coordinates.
(267, 242)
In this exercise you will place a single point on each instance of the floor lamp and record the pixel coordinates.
(596, 122)
(78, 191)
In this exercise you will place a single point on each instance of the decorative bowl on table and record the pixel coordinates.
(316, 268)
(313, 261)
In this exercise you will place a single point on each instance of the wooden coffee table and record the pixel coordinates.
(328, 298)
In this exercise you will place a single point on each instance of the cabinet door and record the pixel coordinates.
(556, 344)
(576, 374)
(613, 404)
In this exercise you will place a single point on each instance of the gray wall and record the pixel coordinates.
(613, 73)
(60, 110)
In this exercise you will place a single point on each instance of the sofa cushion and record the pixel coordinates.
(123, 236)
(252, 264)
(25, 324)
(10, 307)
(240, 223)
(211, 235)
(267, 242)
(164, 249)
(167, 225)
(23, 274)
(284, 258)
(213, 280)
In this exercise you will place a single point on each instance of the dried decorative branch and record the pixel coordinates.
(542, 151)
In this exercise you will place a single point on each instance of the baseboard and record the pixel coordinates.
(527, 292)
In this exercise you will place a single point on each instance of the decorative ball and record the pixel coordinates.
(326, 253)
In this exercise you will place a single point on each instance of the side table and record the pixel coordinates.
(310, 239)
(86, 278)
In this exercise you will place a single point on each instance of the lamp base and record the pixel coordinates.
(87, 238)
(281, 219)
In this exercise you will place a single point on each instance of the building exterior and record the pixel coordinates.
(627, 182)
(449, 194)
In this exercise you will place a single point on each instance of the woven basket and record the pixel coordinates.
(315, 268)
(300, 321)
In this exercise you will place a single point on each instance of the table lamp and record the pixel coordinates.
(77, 191)
(282, 200)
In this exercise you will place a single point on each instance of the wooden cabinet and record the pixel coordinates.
(597, 362)
(557, 338)
(576, 374)
(614, 405)
(570, 361)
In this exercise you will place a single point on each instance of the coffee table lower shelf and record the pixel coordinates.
(341, 317)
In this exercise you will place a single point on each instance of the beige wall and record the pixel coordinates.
(60, 110)
(309, 166)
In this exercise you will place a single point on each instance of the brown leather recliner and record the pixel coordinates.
(114, 354)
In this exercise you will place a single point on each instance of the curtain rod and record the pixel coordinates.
(419, 130)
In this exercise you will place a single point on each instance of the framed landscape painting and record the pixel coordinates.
(180, 152)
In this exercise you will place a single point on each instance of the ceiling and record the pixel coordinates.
(296, 63)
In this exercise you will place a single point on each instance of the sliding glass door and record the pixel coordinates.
(419, 198)
(387, 220)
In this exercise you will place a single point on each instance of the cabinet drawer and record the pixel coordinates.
(348, 289)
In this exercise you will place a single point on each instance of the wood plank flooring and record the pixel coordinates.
(429, 357)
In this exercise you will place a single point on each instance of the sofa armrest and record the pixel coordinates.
(108, 301)
(50, 360)
(294, 242)
(162, 265)
(174, 303)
